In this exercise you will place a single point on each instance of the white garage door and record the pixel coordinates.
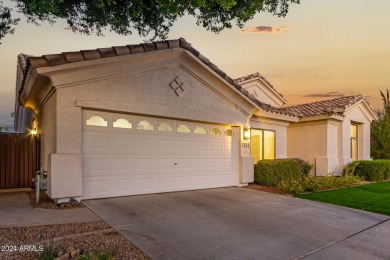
(128, 155)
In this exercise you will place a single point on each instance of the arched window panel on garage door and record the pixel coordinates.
(96, 121)
(164, 127)
(229, 132)
(145, 125)
(214, 130)
(200, 130)
(183, 128)
(122, 123)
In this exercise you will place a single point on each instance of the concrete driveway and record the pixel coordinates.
(238, 223)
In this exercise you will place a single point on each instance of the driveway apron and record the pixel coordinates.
(238, 223)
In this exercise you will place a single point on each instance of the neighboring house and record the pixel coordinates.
(159, 117)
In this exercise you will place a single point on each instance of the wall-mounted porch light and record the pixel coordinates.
(34, 129)
(247, 133)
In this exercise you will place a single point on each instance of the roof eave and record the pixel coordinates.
(328, 116)
(275, 115)
(283, 100)
(369, 108)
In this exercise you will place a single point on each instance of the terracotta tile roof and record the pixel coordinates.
(101, 53)
(325, 107)
(257, 75)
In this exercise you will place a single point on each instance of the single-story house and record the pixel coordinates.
(160, 117)
(331, 133)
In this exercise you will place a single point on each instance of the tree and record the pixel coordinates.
(149, 18)
(380, 131)
(6, 22)
(386, 101)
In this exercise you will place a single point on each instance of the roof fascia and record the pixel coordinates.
(256, 119)
(273, 91)
(272, 115)
(371, 116)
(321, 117)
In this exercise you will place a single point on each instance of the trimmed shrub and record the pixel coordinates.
(376, 170)
(331, 182)
(306, 167)
(349, 169)
(290, 186)
(271, 172)
(312, 184)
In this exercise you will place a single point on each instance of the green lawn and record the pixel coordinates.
(371, 197)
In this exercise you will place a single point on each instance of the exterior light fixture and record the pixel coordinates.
(34, 130)
(247, 133)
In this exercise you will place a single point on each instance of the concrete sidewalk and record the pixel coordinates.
(238, 223)
(16, 211)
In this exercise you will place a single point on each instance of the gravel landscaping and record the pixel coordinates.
(85, 238)
(45, 202)
(69, 241)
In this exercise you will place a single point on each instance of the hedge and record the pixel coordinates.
(376, 170)
(305, 166)
(271, 172)
(313, 184)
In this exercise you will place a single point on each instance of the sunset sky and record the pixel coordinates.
(322, 49)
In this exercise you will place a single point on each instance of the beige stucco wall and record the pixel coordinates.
(327, 143)
(147, 92)
(262, 92)
(331, 161)
(308, 141)
(47, 125)
(262, 95)
(138, 85)
(357, 115)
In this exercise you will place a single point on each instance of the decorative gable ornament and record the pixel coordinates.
(177, 86)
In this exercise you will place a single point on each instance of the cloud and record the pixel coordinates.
(329, 94)
(264, 29)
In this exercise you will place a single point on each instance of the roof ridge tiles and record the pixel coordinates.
(107, 52)
(73, 56)
(150, 46)
(121, 50)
